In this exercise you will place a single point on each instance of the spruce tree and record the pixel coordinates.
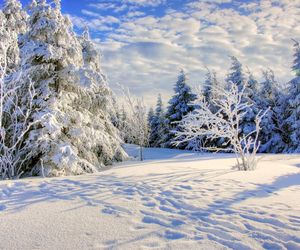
(236, 74)
(210, 85)
(157, 124)
(252, 95)
(179, 105)
(293, 116)
(15, 19)
(74, 132)
(270, 136)
(151, 118)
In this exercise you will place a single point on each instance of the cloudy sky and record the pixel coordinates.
(144, 43)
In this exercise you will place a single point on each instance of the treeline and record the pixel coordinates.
(280, 127)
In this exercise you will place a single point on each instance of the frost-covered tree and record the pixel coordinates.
(224, 123)
(16, 106)
(293, 117)
(271, 139)
(179, 105)
(75, 133)
(136, 124)
(15, 23)
(249, 85)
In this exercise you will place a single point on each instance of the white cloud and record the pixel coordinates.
(146, 52)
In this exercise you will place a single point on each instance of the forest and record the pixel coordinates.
(60, 117)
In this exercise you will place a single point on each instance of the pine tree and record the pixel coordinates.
(293, 117)
(15, 23)
(75, 133)
(210, 85)
(151, 117)
(179, 105)
(252, 96)
(270, 137)
(236, 74)
(157, 124)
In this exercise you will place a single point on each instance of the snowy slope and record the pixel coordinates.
(173, 200)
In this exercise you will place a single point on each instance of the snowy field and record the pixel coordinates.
(176, 200)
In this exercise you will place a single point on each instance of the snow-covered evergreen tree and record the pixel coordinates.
(270, 137)
(16, 106)
(236, 74)
(293, 118)
(75, 133)
(151, 118)
(179, 105)
(251, 95)
(157, 124)
(15, 24)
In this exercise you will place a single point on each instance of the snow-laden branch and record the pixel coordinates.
(16, 107)
(230, 107)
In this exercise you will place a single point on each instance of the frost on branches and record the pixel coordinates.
(15, 110)
(224, 123)
(72, 131)
(136, 122)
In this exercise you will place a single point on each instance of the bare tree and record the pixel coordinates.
(136, 123)
(223, 121)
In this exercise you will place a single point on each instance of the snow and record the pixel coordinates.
(172, 200)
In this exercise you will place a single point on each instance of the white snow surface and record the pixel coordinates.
(173, 200)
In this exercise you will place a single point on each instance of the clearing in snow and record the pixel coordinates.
(174, 200)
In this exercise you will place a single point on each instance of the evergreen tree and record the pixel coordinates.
(236, 74)
(252, 96)
(151, 118)
(157, 124)
(179, 105)
(210, 84)
(74, 132)
(15, 23)
(270, 136)
(293, 117)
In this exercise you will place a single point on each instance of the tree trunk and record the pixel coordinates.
(141, 153)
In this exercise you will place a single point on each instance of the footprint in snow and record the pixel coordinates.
(149, 204)
(172, 235)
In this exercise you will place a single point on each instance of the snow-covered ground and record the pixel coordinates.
(173, 200)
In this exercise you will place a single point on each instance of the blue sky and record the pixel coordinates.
(144, 43)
